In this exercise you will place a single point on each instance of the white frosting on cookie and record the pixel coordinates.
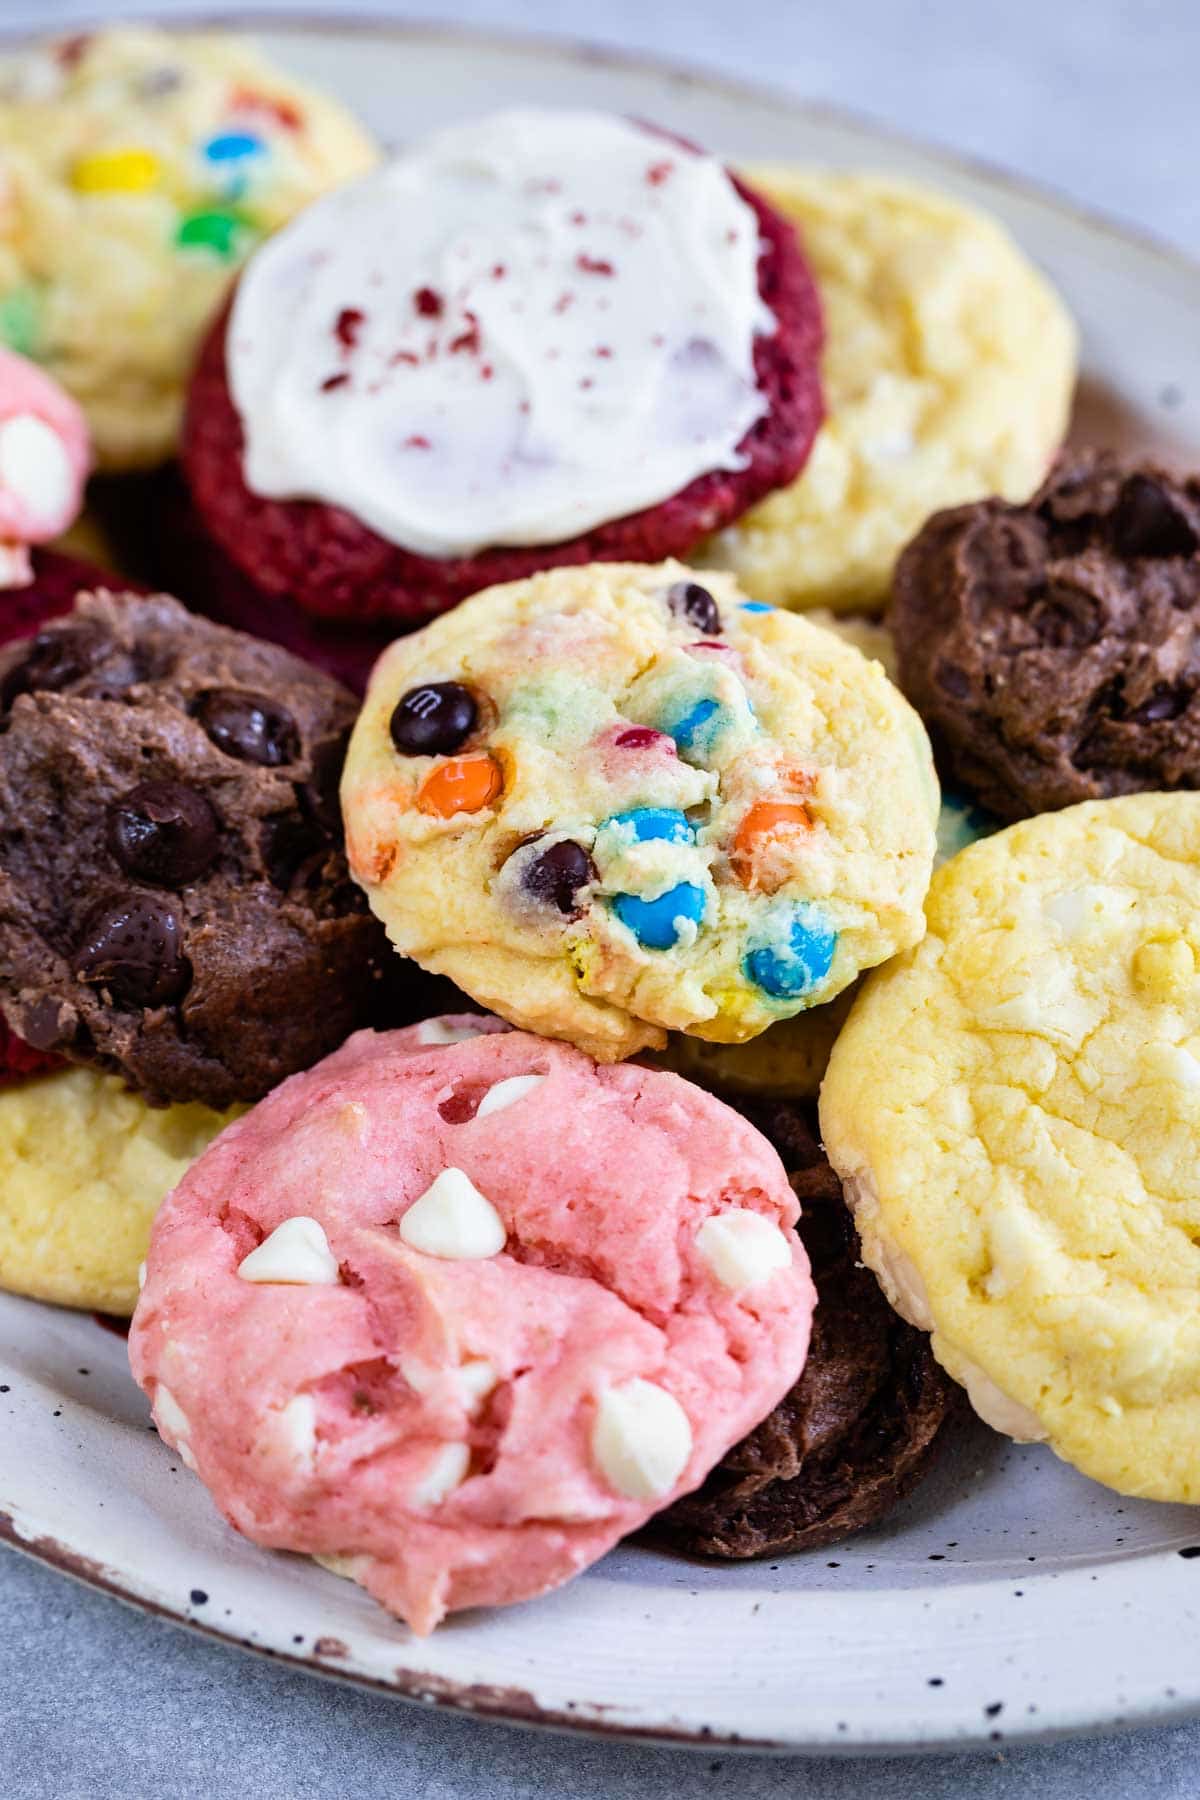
(518, 330)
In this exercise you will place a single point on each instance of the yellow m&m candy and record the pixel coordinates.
(131, 171)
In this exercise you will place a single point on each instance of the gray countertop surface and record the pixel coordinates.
(1094, 97)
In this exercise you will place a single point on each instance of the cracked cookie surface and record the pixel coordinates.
(1014, 1108)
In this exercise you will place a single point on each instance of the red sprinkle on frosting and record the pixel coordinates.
(428, 303)
(349, 323)
(593, 265)
(467, 340)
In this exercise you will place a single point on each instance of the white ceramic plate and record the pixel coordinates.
(1010, 1598)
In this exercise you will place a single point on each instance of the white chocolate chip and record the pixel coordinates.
(172, 1424)
(297, 1254)
(34, 466)
(169, 1415)
(419, 1376)
(295, 1427)
(507, 1093)
(350, 1568)
(454, 1221)
(1171, 1062)
(446, 1470)
(437, 1031)
(742, 1248)
(476, 1379)
(641, 1439)
(16, 569)
(1082, 910)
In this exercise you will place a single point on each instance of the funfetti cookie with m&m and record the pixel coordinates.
(610, 802)
(140, 169)
(534, 339)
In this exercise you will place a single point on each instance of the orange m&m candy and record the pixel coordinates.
(766, 820)
(461, 784)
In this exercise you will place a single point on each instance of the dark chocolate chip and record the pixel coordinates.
(953, 679)
(135, 950)
(556, 876)
(1148, 522)
(248, 726)
(47, 1024)
(164, 832)
(53, 661)
(434, 720)
(688, 600)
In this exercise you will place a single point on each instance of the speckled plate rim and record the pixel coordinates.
(1099, 1625)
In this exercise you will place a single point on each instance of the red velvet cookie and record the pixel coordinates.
(159, 535)
(56, 581)
(650, 355)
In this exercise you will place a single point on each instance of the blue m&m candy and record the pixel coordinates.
(696, 729)
(657, 924)
(233, 147)
(792, 952)
(656, 822)
(755, 606)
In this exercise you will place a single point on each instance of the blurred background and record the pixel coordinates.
(1096, 97)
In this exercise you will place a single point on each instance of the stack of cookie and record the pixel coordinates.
(460, 1303)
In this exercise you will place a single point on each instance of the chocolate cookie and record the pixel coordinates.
(174, 900)
(863, 1423)
(1053, 649)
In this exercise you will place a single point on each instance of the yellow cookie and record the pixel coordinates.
(84, 1165)
(140, 168)
(1014, 1108)
(949, 368)
(610, 801)
(870, 635)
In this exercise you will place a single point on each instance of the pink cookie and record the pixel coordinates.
(44, 460)
(462, 1315)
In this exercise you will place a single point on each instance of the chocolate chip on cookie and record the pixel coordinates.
(1053, 649)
